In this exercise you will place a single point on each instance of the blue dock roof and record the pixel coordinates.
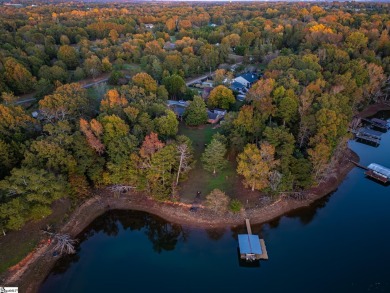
(249, 244)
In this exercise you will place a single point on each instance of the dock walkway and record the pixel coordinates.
(248, 226)
(358, 165)
(264, 253)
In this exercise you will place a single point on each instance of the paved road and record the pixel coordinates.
(91, 84)
(30, 97)
(27, 100)
(88, 85)
(198, 79)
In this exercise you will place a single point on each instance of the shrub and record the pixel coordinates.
(235, 206)
(217, 201)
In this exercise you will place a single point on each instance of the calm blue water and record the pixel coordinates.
(340, 244)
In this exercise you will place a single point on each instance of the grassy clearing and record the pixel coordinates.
(128, 68)
(16, 252)
(200, 179)
(16, 245)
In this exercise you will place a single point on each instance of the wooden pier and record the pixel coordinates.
(358, 165)
(248, 226)
(264, 255)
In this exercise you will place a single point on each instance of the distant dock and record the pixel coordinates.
(251, 247)
(369, 133)
(377, 123)
(376, 172)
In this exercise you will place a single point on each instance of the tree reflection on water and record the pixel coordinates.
(163, 235)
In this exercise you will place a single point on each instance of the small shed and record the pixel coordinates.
(249, 245)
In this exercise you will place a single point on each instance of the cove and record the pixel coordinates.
(338, 244)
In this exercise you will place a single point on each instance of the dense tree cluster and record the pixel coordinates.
(322, 64)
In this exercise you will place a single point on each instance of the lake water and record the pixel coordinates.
(339, 244)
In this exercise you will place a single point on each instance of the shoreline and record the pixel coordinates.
(32, 271)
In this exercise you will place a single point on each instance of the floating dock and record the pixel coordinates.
(378, 123)
(251, 247)
(369, 135)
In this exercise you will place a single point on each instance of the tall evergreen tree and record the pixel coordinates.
(196, 112)
(213, 158)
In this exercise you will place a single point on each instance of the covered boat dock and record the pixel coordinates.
(378, 172)
(378, 123)
(369, 135)
(251, 247)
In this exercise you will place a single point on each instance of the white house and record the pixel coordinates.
(242, 80)
(246, 79)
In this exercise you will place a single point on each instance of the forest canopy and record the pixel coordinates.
(319, 64)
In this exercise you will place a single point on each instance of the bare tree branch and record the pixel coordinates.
(63, 242)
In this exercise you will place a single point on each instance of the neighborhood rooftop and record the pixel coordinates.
(251, 77)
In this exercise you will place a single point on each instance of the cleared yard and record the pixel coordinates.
(201, 180)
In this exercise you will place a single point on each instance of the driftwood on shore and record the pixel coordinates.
(64, 244)
(295, 195)
(121, 188)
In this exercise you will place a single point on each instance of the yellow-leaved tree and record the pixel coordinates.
(255, 164)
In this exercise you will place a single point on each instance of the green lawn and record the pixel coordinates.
(16, 252)
(128, 68)
(18, 244)
(200, 179)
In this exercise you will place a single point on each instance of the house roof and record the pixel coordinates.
(250, 77)
(179, 110)
(249, 244)
(212, 115)
(219, 111)
(169, 46)
(179, 103)
(237, 85)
